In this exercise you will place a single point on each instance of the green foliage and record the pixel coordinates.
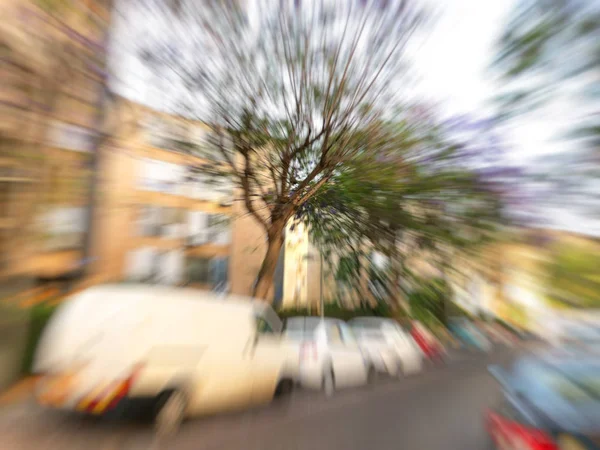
(428, 302)
(548, 48)
(413, 194)
(40, 315)
(292, 106)
(338, 312)
(573, 274)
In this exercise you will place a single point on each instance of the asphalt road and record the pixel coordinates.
(438, 409)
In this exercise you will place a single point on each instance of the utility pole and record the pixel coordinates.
(322, 306)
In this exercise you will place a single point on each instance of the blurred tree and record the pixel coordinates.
(418, 198)
(573, 275)
(549, 57)
(292, 91)
(428, 303)
(552, 48)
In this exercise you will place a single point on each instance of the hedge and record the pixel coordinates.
(40, 315)
(335, 311)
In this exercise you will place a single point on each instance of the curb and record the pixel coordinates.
(19, 391)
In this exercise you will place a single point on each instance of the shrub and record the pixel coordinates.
(40, 315)
(336, 311)
(14, 324)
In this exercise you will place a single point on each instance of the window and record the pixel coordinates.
(161, 176)
(140, 263)
(72, 137)
(212, 271)
(219, 229)
(262, 326)
(198, 270)
(160, 221)
(149, 221)
(219, 272)
(204, 228)
(64, 228)
(171, 222)
(149, 264)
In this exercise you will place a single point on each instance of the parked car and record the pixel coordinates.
(550, 401)
(576, 333)
(328, 353)
(184, 352)
(431, 348)
(469, 335)
(390, 349)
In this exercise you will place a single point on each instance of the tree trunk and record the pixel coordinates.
(264, 280)
(396, 295)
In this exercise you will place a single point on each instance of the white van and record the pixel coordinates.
(189, 352)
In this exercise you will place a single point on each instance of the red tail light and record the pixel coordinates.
(515, 435)
(125, 386)
(308, 350)
(98, 402)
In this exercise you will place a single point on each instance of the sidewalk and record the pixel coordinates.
(18, 392)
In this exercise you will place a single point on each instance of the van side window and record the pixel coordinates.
(262, 326)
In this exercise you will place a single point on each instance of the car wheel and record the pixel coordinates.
(372, 375)
(170, 412)
(284, 388)
(328, 383)
(284, 394)
(400, 371)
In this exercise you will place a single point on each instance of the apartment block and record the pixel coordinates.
(160, 217)
(51, 96)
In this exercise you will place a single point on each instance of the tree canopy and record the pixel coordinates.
(293, 92)
(310, 118)
(573, 275)
(549, 59)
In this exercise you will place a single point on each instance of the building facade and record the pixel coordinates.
(161, 218)
(51, 99)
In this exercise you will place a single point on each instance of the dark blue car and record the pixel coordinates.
(550, 400)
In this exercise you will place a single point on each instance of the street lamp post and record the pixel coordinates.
(321, 304)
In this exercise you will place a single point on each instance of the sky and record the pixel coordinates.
(454, 59)
(453, 65)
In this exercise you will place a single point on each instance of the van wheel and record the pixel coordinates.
(372, 375)
(400, 369)
(284, 394)
(328, 383)
(170, 412)
(284, 388)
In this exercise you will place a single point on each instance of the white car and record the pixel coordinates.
(329, 355)
(390, 349)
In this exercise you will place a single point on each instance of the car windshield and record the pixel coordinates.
(368, 328)
(369, 333)
(579, 382)
(301, 328)
(575, 383)
(582, 333)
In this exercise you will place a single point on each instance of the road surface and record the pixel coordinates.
(438, 409)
